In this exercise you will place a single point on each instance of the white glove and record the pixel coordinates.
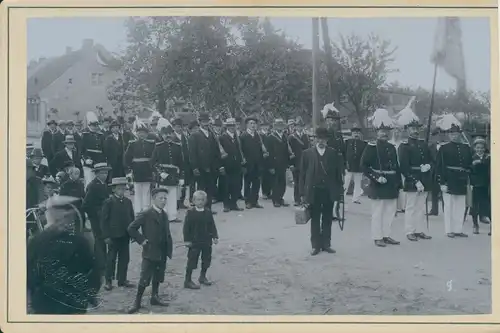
(444, 188)
(382, 180)
(163, 175)
(181, 182)
(88, 161)
(425, 167)
(420, 186)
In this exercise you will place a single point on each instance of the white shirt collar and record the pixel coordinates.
(200, 209)
(179, 136)
(252, 133)
(230, 134)
(158, 210)
(204, 131)
(321, 151)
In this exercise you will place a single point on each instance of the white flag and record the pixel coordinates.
(448, 49)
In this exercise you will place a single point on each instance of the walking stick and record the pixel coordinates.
(427, 210)
(342, 218)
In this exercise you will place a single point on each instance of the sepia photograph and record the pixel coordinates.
(258, 165)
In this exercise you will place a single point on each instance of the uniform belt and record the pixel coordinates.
(457, 168)
(415, 168)
(94, 150)
(168, 166)
(387, 172)
(142, 159)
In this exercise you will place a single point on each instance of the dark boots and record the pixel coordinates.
(188, 283)
(155, 299)
(203, 278)
(137, 302)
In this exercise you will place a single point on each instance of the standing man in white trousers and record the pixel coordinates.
(379, 163)
(415, 161)
(453, 166)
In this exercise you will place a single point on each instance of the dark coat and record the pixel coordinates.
(354, 150)
(61, 157)
(251, 146)
(481, 172)
(52, 142)
(336, 141)
(167, 157)
(93, 148)
(453, 166)
(279, 155)
(34, 192)
(150, 223)
(380, 160)
(204, 153)
(186, 168)
(141, 169)
(310, 167)
(127, 137)
(412, 154)
(42, 170)
(232, 163)
(199, 227)
(116, 216)
(298, 145)
(96, 193)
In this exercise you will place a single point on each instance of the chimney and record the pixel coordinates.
(68, 49)
(88, 44)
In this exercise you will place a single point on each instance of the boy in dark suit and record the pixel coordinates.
(117, 214)
(156, 242)
(199, 234)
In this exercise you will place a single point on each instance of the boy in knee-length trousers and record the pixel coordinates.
(199, 234)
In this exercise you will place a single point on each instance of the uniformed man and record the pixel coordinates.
(167, 162)
(453, 165)
(181, 139)
(138, 159)
(205, 158)
(233, 165)
(280, 156)
(415, 161)
(52, 141)
(252, 147)
(379, 163)
(354, 149)
(153, 132)
(298, 141)
(92, 149)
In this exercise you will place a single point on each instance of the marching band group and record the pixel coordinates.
(174, 165)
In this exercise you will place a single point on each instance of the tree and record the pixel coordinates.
(364, 65)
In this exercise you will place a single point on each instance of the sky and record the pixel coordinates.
(414, 38)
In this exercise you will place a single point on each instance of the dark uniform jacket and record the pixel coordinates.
(412, 154)
(167, 158)
(138, 158)
(311, 167)
(92, 148)
(481, 172)
(279, 155)
(453, 166)
(336, 141)
(52, 142)
(116, 216)
(155, 228)
(232, 163)
(61, 157)
(113, 149)
(204, 153)
(251, 147)
(97, 192)
(380, 160)
(298, 145)
(354, 150)
(199, 227)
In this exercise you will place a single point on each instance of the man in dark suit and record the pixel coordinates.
(251, 146)
(279, 161)
(320, 185)
(186, 169)
(298, 141)
(36, 157)
(96, 193)
(205, 158)
(69, 153)
(156, 242)
(113, 149)
(232, 165)
(52, 142)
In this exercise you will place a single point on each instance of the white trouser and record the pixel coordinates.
(88, 175)
(454, 208)
(383, 213)
(401, 201)
(142, 196)
(415, 212)
(171, 206)
(357, 177)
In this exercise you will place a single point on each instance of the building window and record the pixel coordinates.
(97, 79)
(33, 109)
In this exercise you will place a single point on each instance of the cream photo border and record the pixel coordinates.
(13, 39)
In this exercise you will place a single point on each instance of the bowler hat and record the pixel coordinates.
(157, 190)
(321, 133)
(177, 122)
(218, 122)
(52, 122)
(290, 122)
(167, 130)
(114, 123)
(69, 139)
(204, 116)
(250, 118)
(230, 122)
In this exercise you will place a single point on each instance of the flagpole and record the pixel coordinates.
(315, 49)
(429, 121)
